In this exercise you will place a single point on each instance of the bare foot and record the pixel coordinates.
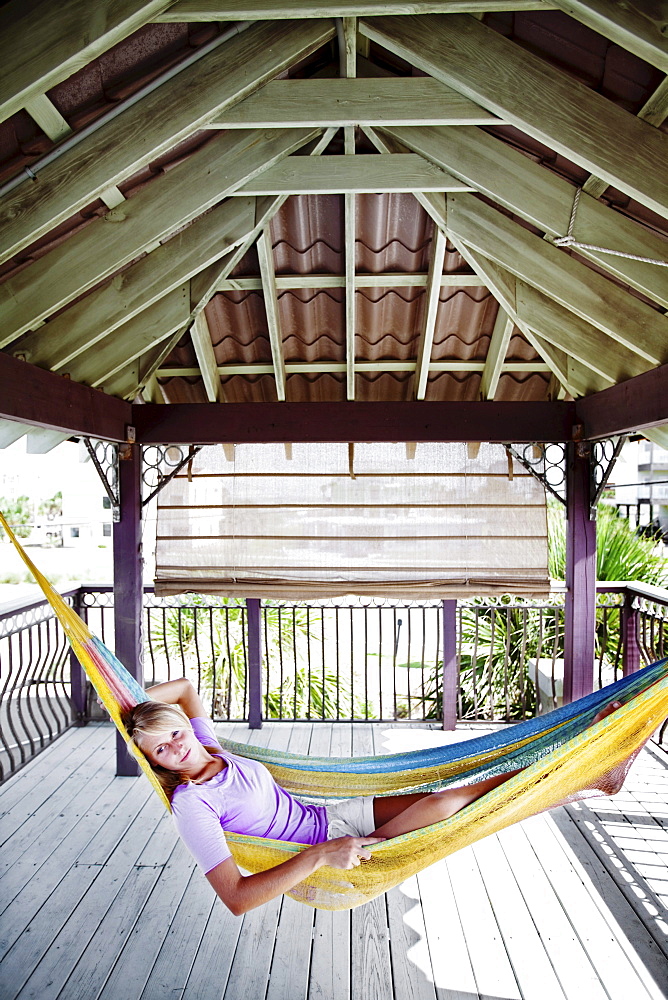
(608, 710)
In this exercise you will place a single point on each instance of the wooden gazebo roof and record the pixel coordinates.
(336, 203)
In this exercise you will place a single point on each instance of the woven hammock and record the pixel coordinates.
(563, 755)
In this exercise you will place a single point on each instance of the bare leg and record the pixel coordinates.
(397, 814)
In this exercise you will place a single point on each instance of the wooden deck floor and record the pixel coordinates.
(99, 900)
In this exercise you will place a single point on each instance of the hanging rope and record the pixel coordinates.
(569, 240)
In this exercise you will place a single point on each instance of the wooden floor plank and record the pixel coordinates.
(412, 974)
(493, 971)
(86, 924)
(142, 947)
(454, 977)
(596, 927)
(569, 958)
(521, 938)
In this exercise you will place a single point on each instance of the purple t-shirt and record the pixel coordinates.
(242, 798)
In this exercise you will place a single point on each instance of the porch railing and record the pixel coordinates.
(359, 661)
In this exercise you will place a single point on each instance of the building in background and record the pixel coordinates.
(640, 479)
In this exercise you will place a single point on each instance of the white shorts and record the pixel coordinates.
(351, 818)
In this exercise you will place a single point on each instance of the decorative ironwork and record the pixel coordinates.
(160, 463)
(604, 455)
(104, 456)
(546, 463)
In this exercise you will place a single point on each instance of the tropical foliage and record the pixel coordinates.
(18, 513)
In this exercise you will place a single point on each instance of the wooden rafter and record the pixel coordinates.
(535, 97)
(642, 32)
(430, 313)
(339, 368)
(545, 200)
(40, 48)
(623, 317)
(496, 354)
(154, 125)
(137, 226)
(390, 280)
(206, 359)
(96, 365)
(42, 110)
(141, 285)
(266, 260)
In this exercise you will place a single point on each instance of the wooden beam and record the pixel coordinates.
(221, 10)
(43, 111)
(163, 207)
(496, 354)
(545, 200)
(40, 440)
(139, 286)
(266, 260)
(211, 423)
(96, 365)
(430, 312)
(366, 173)
(11, 431)
(38, 398)
(340, 102)
(339, 368)
(574, 378)
(635, 405)
(534, 96)
(575, 286)
(627, 25)
(350, 252)
(206, 359)
(162, 119)
(41, 47)
(389, 280)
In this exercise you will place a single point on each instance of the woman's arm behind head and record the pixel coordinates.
(180, 692)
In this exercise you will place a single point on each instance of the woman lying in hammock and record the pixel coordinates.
(212, 790)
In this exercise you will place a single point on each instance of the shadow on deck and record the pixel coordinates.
(98, 898)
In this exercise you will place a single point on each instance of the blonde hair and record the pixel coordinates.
(152, 718)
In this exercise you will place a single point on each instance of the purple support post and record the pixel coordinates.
(254, 620)
(78, 688)
(630, 644)
(128, 582)
(580, 611)
(450, 671)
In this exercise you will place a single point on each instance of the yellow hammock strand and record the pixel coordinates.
(596, 758)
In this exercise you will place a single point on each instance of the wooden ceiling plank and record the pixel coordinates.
(200, 335)
(633, 29)
(350, 251)
(620, 315)
(265, 255)
(32, 396)
(542, 198)
(430, 313)
(574, 378)
(139, 286)
(43, 111)
(162, 208)
(177, 109)
(364, 173)
(338, 368)
(339, 102)
(496, 354)
(40, 47)
(221, 10)
(534, 96)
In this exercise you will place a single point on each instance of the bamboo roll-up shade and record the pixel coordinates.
(323, 520)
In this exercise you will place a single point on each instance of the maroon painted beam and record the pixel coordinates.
(238, 423)
(634, 405)
(580, 609)
(33, 396)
